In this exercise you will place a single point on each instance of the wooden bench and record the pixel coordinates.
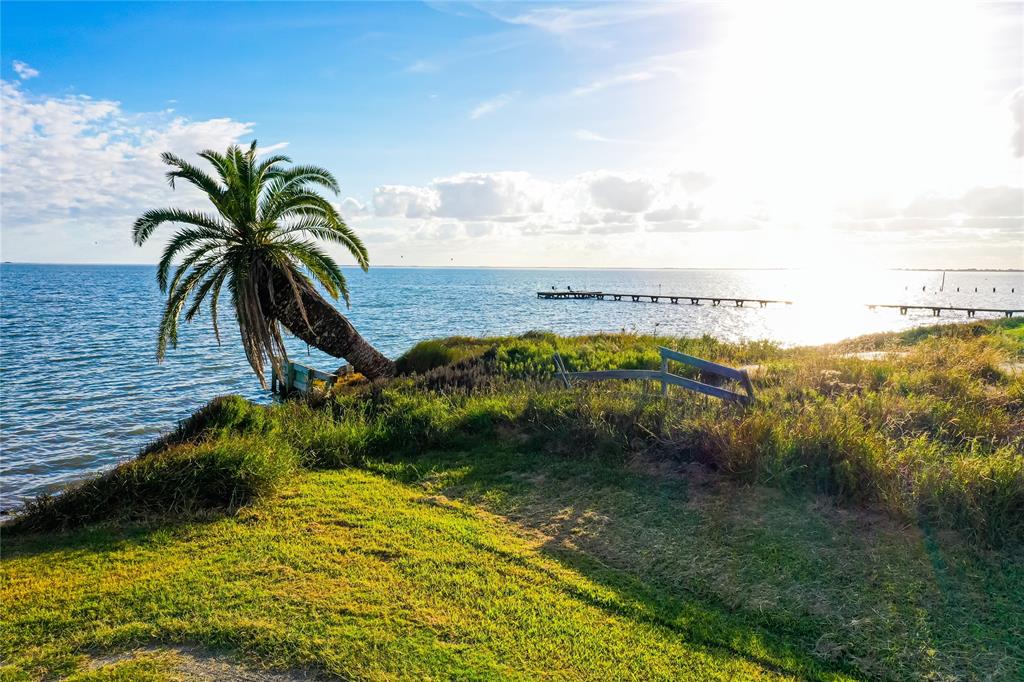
(667, 378)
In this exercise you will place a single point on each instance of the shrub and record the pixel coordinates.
(434, 353)
(981, 495)
(222, 474)
(224, 414)
(424, 356)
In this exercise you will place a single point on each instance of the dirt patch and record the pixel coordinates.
(194, 664)
(512, 434)
(876, 355)
(694, 473)
(1012, 368)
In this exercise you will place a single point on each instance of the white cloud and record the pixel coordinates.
(564, 21)
(614, 228)
(353, 208)
(731, 224)
(490, 212)
(612, 81)
(994, 202)
(1007, 224)
(673, 226)
(620, 193)
(404, 201)
(590, 136)
(422, 66)
(596, 203)
(23, 70)
(982, 208)
(1017, 108)
(673, 212)
(491, 105)
(440, 232)
(262, 150)
(691, 182)
(680, 64)
(477, 230)
(927, 206)
(471, 196)
(999, 201)
(78, 171)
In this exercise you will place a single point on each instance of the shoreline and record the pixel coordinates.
(338, 534)
(402, 266)
(1009, 367)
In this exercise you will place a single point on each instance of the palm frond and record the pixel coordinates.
(168, 334)
(193, 174)
(311, 175)
(150, 220)
(203, 290)
(294, 203)
(222, 275)
(267, 169)
(339, 233)
(199, 239)
(191, 259)
(323, 268)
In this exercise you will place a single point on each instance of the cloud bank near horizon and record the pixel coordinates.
(78, 171)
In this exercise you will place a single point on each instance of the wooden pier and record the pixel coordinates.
(936, 310)
(655, 298)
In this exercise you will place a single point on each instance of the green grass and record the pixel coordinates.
(850, 587)
(361, 576)
(473, 520)
(219, 474)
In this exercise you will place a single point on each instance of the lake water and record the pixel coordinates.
(80, 388)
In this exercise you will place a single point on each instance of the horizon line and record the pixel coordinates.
(554, 267)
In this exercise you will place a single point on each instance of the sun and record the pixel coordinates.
(811, 104)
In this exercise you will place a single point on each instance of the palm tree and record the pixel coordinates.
(260, 243)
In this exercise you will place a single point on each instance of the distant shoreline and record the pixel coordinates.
(558, 267)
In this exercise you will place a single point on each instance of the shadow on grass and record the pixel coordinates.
(703, 626)
(537, 493)
(790, 582)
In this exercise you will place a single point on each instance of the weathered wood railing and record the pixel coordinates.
(667, 378)
(301, 378)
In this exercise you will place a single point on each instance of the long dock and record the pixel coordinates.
(761, 302)
(655, 298)
(938, 309)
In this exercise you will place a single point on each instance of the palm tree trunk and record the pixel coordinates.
(324, 327)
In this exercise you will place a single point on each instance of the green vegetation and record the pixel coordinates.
(864, 518)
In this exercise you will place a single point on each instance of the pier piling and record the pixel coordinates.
(904, 308)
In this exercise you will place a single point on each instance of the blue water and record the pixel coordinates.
(80, 388)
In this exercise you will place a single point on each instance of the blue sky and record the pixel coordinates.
(660, 135)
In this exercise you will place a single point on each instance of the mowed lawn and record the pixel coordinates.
(472, 519)
(355, 575)
(593, 571)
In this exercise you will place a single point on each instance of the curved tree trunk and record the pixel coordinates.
(326, 329)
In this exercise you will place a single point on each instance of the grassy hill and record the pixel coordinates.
(864, 518)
